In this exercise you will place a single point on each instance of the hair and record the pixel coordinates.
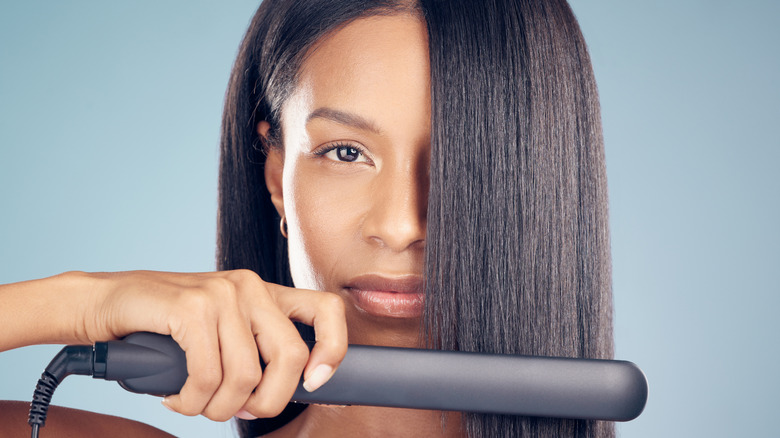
(517, 245)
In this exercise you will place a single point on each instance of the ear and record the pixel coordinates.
(274, 164)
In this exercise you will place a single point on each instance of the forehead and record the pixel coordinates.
(372, 63)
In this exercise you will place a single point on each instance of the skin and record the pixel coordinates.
(370, 213)
(345, 219)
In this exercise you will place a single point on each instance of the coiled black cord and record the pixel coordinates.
(73, 359)
(40, 403)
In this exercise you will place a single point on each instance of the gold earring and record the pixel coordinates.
(283, 226)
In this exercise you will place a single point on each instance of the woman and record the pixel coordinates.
(436, 167)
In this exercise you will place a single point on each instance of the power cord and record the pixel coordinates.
(73, 359)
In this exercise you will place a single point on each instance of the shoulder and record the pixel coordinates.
(72, 422)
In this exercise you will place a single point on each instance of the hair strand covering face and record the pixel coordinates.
(517, 246)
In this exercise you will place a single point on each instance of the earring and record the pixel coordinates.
(283, 226)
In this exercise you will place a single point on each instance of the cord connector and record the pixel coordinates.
(73, 359)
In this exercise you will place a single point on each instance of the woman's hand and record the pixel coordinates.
(224, 321)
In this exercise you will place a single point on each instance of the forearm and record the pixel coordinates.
(47, 311)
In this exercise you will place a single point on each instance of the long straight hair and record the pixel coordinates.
(517, 246)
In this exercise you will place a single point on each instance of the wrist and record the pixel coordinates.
(68, 307)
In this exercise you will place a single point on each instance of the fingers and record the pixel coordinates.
(222, 358)
(284, 352)
(225, 322)
(201, 345)
(285, 355)
(325, 312)
(240, 367)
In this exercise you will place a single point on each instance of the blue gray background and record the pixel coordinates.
(109, 120)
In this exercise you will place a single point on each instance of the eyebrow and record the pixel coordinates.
(344, 118)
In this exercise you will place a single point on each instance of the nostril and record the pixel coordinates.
(395, 228)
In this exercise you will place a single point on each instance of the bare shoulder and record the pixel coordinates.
(67, 422)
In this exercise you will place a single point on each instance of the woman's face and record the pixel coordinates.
(352, 180)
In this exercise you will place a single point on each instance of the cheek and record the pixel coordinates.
(325, 216)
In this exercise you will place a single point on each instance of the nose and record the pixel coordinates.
(397, 218)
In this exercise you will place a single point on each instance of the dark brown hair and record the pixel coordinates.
(517, 246)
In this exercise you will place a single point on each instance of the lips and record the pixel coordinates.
(394, 297)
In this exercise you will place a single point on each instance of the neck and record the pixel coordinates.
(368, 421)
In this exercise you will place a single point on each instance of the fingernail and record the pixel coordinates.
(245, 415)
(165, 403)
(320, 375)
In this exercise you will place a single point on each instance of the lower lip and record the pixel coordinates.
(389, 304)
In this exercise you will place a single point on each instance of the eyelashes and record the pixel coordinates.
(344, 153)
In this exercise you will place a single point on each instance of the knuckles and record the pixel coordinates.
(266, 408)
(223, 288)
(217, 416)
(332, 304)
(217, 291)
(189, 411)
(245, 279)
(248, 377)
(208, 379)
(297, 353)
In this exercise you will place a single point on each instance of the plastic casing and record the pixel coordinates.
(428, 379)
(146, 363)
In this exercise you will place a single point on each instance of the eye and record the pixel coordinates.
(344, 153)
